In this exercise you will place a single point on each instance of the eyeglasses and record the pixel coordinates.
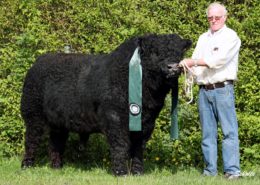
(215, 17)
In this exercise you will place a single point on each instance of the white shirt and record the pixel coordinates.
(220, 52)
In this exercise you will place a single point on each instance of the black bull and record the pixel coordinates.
(89, 93)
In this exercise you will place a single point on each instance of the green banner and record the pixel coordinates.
(135, 92)
(174, 118)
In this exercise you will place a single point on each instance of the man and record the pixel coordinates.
(215, 64)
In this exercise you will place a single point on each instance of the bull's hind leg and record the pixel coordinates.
(58, 138)
(136, 152)
(83, 141)
(33, 136)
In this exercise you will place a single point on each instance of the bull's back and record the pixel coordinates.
(50, 85)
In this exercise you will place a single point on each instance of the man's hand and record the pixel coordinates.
(188, 62)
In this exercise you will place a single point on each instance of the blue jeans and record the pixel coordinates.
(218, 106)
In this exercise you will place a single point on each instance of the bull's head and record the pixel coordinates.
(164, 51)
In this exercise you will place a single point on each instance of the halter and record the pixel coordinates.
(189, 81)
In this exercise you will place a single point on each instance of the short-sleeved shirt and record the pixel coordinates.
(220, 52)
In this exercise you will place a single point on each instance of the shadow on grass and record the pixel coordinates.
(86, 163)
(96, 155)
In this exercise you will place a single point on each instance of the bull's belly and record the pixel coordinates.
(75, 122)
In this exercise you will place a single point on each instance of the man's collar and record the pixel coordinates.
(217, 32)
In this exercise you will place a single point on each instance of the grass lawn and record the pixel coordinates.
(11, 174)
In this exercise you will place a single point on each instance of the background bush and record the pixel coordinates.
(29, 28)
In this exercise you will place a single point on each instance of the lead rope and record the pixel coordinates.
(189, 81)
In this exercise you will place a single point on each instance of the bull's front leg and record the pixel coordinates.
(119, 154)
(136, 152)
(119, 140)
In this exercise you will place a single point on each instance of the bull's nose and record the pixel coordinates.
(174, 69)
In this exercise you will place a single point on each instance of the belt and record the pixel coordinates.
(216, 85)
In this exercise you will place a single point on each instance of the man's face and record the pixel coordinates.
(216, 18)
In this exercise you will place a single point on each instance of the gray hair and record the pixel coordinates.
(218, 4)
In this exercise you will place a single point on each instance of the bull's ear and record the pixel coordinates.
(140, 44)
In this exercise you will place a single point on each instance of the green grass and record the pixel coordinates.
(11, 174)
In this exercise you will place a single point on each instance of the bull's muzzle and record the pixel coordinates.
(174, 70)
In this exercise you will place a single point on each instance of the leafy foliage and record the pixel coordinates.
(30, 28)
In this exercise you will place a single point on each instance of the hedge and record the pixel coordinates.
(30, 28)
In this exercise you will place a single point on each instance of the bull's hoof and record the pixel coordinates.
(137, 173)
(137, 170)
(56, 165)
(27, 163)
(120, 173)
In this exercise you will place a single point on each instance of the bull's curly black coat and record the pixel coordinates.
(89, 93)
